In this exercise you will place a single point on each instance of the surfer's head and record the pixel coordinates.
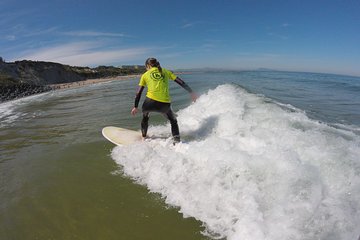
(152, 62)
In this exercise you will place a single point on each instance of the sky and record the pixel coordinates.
(290, 35)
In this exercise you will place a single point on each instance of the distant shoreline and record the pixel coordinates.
(28, 90)
(86, 82)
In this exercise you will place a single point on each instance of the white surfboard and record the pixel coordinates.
(121, 136)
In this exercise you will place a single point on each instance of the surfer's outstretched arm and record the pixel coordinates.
(187, 88)
(137, 100)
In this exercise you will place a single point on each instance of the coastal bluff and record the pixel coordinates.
(23, 78)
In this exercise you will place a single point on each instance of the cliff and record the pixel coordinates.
(22, 78)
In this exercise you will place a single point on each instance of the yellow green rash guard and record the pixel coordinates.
(157, 84)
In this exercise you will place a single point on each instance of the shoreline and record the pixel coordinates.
(16, 94)
(90, 81)
(98, 80)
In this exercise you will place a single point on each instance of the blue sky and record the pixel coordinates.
(303, 35)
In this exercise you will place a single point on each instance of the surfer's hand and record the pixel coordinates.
(193, 96)
(134, 111)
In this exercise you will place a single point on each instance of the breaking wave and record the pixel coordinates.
(251, 169)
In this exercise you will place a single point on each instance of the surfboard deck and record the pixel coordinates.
(121, 136)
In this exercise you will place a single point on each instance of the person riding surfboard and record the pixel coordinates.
(156, 79)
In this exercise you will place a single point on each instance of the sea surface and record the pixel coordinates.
(264, 155)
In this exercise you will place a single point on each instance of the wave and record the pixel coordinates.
(9, 111)
(250, 169)
(13, 110)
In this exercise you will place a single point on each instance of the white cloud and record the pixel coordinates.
(192, 24)
(285, 25)
(187, 25)
(84, 54)
(276, 35)
(10, 37)
(93, 34)
(38, 32)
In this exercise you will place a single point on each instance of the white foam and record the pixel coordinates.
(9, 112)
(252, 170)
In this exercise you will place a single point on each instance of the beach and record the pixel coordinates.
(102, 80)
(91, 81)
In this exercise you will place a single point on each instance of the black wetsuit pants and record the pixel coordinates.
(151, 105)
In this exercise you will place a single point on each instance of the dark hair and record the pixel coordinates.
(153, 63)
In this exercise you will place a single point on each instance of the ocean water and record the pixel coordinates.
(265, 155)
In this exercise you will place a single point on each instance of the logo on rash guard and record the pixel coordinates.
(156, 76)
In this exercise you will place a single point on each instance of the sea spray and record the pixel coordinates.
(251, 169)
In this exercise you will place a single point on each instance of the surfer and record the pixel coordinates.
(156, 79)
